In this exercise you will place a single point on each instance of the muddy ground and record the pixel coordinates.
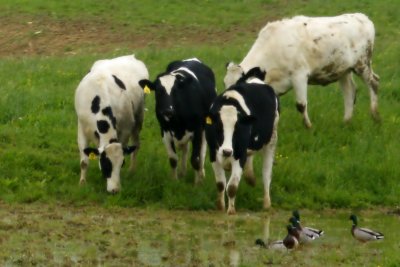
(66, 235)
(63, 235)
(45, 36)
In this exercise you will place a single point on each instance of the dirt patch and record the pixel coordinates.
(47, 36)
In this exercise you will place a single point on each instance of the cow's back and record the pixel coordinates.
(111, 83)
(204, 74)
(195, 103)
(319, 46)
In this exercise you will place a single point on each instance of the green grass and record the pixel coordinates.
(332, 165)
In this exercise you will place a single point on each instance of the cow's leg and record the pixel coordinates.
(371, 79)
(233, 185)
(249, 171)
(183, 163)
(220, 181)
(268, 161)
(349, 93)
(300, 89)
(173, 157)
(196, 155)
(135, 139)
(203, 152)
(84, 160)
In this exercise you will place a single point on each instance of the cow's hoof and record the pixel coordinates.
(220, 206)
(267, 205)
(250, 180)
(231, 211)
(113, 191)
(307, 124)
(376, 117)
(82, 181)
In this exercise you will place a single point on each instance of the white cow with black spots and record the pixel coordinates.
(109, 104)
(242, 121)
(314, 50)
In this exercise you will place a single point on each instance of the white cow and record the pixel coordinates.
(109, 104)
(305, 50)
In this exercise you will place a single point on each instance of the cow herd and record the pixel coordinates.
(242, 120)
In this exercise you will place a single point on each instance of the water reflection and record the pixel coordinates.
(218, 240)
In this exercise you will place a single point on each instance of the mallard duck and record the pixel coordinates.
(292, 239)
(304, 237)
(278, 244)
(307, 230)
(363, 234)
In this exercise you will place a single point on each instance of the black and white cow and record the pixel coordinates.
(306, 50)
(242, 120)
(110, 104)
(183, 94)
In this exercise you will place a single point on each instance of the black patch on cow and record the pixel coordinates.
(96, 104)
(300, 107)
(173, 146)
(113, 140)
(220, 186)
(119, 82)
(232, 189)
(96, 133)
(195, 163)
(103, 126)
(173, 162)
(84, 165)
(106, 165)
(107, 111)
(129, 149)
(255, 72)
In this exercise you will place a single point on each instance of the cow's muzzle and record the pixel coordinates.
(227, 152)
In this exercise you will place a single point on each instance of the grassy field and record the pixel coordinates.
(46, 49)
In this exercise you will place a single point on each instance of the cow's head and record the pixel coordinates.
(110, 163)
(228, 126)
(166, 88)
(235, 74)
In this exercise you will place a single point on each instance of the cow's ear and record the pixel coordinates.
(129, 150)
(90, 151)
(147, 86)
(257, 73)
(247, 119)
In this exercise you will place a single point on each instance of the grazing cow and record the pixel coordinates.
(304, 50)
(242, 120)
(183, 96)
(110, 103)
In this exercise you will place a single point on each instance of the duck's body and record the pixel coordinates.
(312, 233)
(291, 241)
(364, 234)
(304, 236)
(278, 244)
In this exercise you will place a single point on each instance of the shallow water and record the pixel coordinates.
(65, 235)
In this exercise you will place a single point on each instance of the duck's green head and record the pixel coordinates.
(296, 214)
(353, 218)
(294, 221)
